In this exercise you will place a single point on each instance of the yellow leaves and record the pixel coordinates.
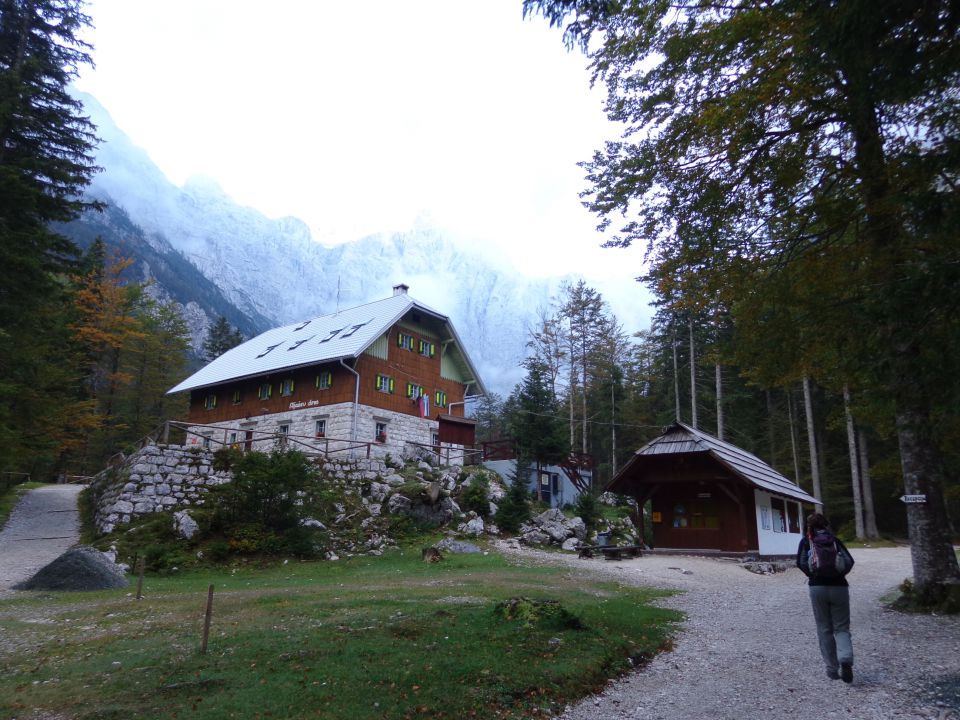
(105, 307)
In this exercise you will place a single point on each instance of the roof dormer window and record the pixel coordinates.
(332, 335)
(268, 350)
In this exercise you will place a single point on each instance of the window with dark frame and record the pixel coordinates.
(237, 397)
(779, 512)
(793, 517)
(381, 432)
(321, 428)
(404, 341)
(324, 380)
(265, 391)
(210, 401)
(286, 387)
(384, 383)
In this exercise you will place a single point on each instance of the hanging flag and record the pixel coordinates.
(426, 405)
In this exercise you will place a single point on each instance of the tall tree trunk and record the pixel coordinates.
(869, 511)
(719, 383)
(676, 378)
(771, 435)
(583, 407)
(934, 559)
(854, 465)
(693, 380)
(812, 442)
(613, 433)
(570, 392)
(793, 436)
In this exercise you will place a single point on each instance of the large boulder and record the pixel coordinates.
(184, 525)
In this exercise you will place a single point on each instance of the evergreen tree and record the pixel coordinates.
(806, 148)
(514, 508)
(222, 337)
(533, 418)
(45, 162)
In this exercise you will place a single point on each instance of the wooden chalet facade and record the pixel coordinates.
(709, 495)
(390, 375)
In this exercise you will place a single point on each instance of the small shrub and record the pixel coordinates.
(218, 551)
(587, 507)
(943, 598)
(514, 509)
(538, 613)
(249, 539)
(272, 491)
(226, 458)
(476, 496)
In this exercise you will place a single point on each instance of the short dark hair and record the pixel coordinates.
(816, 521)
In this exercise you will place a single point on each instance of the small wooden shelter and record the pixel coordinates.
(708, 495)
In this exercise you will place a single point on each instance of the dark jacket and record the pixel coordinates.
(802, 563)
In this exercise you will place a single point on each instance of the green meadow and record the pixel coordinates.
(371, 637)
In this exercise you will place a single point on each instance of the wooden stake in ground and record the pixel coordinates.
(206, 620)
(140, 566)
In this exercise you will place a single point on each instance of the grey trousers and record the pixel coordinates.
(831, 611)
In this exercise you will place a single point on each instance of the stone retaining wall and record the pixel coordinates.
(160, 478)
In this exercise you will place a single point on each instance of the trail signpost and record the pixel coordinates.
(913, 499)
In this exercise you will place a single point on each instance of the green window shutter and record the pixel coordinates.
(399, 339)
(391, 384)
(433, 349)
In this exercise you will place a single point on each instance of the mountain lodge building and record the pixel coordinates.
(385, 377)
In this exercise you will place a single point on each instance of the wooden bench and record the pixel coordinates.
(618, 552)
(611, 552)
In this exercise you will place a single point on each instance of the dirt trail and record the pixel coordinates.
(41, 527)
(748, 648)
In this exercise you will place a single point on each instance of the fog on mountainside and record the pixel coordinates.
(265, 272)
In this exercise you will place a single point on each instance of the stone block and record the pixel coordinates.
(122, 506)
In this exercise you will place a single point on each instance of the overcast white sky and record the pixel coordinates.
(362, 117)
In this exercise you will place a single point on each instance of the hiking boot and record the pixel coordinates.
(833, 674)
(846, 672)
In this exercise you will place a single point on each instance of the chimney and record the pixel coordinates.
(400, 289)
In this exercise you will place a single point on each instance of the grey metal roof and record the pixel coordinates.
(343, 335)
(683, 439)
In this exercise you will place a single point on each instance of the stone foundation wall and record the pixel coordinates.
(404, 432)
(164, 478)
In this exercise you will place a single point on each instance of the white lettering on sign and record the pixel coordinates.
(913, 499)
(301, 404)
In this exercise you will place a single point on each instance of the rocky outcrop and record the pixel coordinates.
(174, 479)
(552, 528)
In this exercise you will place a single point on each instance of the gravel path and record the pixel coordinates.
(44, 523)
(748, 648)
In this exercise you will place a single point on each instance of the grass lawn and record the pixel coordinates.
(387, 637)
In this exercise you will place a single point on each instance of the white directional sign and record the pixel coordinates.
(910, 499)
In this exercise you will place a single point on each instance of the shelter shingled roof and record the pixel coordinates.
(680, 439)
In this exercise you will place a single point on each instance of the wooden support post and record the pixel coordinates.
(166, 432)
(206, 620)
(140, 567)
